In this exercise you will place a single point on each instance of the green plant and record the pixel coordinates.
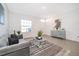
(40, 33)
(18, 32)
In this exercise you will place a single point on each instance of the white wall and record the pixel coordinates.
(15, 24)
(69, 20)
(4, 29)
(71, 23)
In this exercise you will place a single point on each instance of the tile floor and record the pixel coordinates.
(66, 44)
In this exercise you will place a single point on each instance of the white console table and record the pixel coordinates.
(58, 33)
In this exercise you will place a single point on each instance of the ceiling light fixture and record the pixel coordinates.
(44, 7)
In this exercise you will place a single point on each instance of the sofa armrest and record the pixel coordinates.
(16, 49)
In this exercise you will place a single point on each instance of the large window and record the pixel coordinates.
(26, 25)
(1, 14)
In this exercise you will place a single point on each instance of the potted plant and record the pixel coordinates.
(20, 36)
(19, 32)
(39, 35)
(58, 24)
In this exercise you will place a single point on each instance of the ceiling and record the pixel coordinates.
(41, 9)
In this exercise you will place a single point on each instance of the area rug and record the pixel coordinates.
(47, 49)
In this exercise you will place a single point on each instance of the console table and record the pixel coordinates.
(58, 33)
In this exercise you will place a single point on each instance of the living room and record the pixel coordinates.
(41, 16)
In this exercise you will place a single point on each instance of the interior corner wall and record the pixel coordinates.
(4, 29)
(71, 24)
(15, 24)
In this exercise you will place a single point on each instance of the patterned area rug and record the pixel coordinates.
(46, 49)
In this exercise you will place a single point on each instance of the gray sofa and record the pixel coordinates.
(21, 49)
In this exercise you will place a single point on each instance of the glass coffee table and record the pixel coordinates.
(38, 45)
(45, 48)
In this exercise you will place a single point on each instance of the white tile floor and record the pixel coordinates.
(66, 44)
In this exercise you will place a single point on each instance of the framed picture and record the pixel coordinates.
(1, 14)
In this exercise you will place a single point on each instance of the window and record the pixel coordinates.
(26, 25)
(1, 14)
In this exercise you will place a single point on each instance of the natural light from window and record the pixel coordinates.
(26, 25)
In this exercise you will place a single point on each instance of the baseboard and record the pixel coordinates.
(68, 38)
(58, 37)
(72, 40)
